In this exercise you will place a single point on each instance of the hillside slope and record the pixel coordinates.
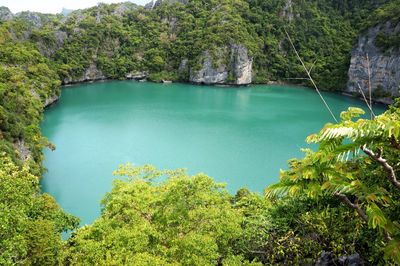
(228, 42)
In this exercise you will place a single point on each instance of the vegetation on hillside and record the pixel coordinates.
(31, 222)
(27, 79)
(157, 41)
(388, 42)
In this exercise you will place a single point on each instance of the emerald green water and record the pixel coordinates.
(241, 136)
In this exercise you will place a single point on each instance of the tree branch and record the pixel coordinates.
(360, 212)
(388, 168)
(369, 83)
(365, 99)
(387, 236)
(352, 205)
(395, 143)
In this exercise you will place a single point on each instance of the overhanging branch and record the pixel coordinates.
(395, 144)
(352, 205)
(383, 162)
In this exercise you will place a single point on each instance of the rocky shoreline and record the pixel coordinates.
(54, 99)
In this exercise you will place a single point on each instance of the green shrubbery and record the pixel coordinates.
(31, 222)
(26, 81)
(356, 163)
(158, 40)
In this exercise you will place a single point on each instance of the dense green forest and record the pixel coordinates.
(122, 39)
(340, 200)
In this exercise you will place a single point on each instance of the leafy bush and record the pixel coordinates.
(182, 220)
(31, 222)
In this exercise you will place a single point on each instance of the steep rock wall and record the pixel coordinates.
(155, 3)
(238, 69)
(384, 64)
(5, 14)
(92, 73)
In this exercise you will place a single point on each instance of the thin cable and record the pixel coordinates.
(369, 82)
(310, 78)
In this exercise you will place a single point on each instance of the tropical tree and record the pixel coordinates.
(184, 220)
(31, 222)
(357, 162)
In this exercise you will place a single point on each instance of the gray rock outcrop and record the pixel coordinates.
(153, 4)
(242, 65)
(384, 65)
(52, 99)
(122, 8)
(209, 74)
(23, 151)
(137, 75)
(34, 18)
(328, 259)
(60, 37)
(49, 101)
(5, 14)
(92, 73)
(49, 50)
(238, 71)
(287, 11)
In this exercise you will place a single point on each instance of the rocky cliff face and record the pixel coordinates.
(384, 65)
(52, 99)
(237, 71)
(92, 73)
(228, 65)
(22, 149)
(156, 3)
(287, 11)
(242, 65)
(122, 8)
(209, 73)
(5, 14)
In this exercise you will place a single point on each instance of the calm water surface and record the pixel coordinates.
(240, 136)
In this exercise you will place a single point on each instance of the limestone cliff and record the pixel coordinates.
(5, 14)
(287, 11)
(242, 65)
(384, 64)
(209, 73)
(92, 73)
(155, 3)
(50, 100)
(23, 150)
(238, 69)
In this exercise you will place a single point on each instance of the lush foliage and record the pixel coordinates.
(357, 163)
(26, 81)
(182, 221)
(115, 40)
(388, 12)
(191, 220)
(30, 222)
(387, 41)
